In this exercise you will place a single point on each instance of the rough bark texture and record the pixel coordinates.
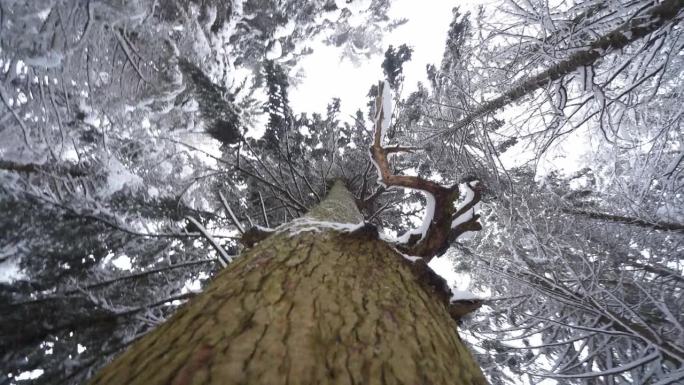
(325, 307)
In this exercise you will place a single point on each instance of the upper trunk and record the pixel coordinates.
(307, 306)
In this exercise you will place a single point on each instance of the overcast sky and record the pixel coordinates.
(328, 76)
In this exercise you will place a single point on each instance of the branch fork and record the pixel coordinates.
(446, 222)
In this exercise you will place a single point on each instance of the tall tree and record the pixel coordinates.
(583, 268)
(321, 300)
(115, 195)
(104, 111)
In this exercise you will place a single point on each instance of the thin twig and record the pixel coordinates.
(224, 257)
(233, 219)
(263, 210)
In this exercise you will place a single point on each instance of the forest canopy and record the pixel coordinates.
(144, 145)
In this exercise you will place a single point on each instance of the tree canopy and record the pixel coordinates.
(543, 159)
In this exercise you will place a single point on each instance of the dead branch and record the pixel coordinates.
(255, 235)
(443, 227)
(460, 308)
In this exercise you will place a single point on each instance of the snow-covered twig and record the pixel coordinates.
(263, 210)
(233, 219)
(609, 372)
(224, 258)
(655, 17)
(438, 230)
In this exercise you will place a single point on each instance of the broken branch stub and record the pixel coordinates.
(442, 226)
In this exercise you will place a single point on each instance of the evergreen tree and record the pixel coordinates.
(119, 206)
(392, 66)
(104, 113)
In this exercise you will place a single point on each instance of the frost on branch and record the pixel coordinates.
(443, 221)
(386, 110)
(465, 217)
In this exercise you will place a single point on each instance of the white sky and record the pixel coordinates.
(328, 76)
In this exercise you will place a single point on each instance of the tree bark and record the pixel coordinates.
(310, 304)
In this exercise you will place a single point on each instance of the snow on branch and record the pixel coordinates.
(224, 257)
(630, 31)
(439, 228)
(233, 219)
(608, 372)
(466, 210)
(427, 219)
(466, 217)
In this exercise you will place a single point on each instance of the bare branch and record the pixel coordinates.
(126, 49)
(224, 258)
(233, 219)
(263, 209)
(37, 168)
(438, 231)
(622, 36)
(655, 225)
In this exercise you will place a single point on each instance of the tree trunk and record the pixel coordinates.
(311, 304)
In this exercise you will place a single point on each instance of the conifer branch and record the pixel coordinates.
(629, 32)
